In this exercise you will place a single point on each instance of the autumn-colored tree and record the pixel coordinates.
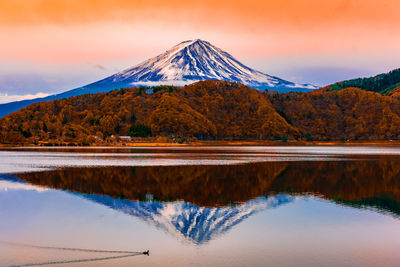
(350, 113)
(208, 110)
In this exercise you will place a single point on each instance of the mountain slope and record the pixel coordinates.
(197, 60)
(350, 113)
(207, 109)
(185, 63)
(385, 83)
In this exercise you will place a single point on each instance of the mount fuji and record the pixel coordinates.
(185, 63)
(197, 60)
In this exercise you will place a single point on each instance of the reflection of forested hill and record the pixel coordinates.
(350, 180)
(221, 185)
(202, 185)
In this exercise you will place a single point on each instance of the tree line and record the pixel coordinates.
(206, 110)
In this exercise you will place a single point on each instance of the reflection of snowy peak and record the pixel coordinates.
(197, 60)
(188, 221)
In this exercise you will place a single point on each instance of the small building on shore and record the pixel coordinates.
(124, 138)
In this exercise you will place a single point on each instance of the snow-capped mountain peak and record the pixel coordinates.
(197, 60)
(188, 62)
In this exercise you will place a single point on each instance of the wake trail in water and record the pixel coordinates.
(78, 260)
(71, 249)
(126, 254)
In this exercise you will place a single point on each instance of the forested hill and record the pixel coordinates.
(206, 110)
(385, 83)
(350, 113)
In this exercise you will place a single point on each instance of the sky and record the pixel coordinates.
(49, 46)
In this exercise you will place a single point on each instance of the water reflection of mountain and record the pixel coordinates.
(181, 219)
(188, 221)
(198, 203)
(212, 186)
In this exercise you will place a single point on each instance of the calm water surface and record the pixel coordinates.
(200, 206)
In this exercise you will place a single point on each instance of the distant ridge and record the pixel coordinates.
(385, 83)
(185, 63)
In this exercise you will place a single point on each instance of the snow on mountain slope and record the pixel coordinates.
(197, 60)
(190, 222)
(185, 63)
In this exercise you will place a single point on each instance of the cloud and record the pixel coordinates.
(5, 98)
(99, 66)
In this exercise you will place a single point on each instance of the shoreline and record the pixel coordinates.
(219, 143)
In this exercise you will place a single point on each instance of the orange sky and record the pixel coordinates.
(272, 36)
(299, 14)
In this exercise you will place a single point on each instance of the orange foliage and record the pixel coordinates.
(208, 110)
(348, 114)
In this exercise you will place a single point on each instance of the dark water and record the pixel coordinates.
(224, 206)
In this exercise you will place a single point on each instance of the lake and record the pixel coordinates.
(200, 206)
